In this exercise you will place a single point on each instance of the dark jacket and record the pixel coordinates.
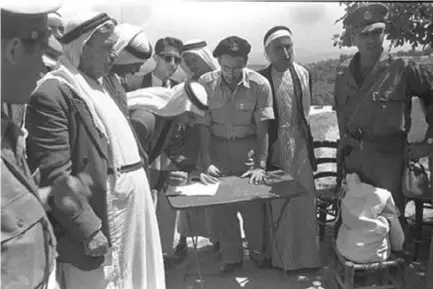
(137, 81)
(63, 139)
(159, 135)
(27, 240)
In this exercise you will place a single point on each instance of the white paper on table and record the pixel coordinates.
(197, 189)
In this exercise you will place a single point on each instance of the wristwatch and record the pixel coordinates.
(429, 141)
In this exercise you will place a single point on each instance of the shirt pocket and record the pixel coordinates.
(390, 110)
(26, 243)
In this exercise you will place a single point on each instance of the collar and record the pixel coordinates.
(383, 61)
(245, 79)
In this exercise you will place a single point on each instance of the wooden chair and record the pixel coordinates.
(327, 198)
(416, 234)
(345, 274)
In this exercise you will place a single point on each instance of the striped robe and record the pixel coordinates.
(296, 244)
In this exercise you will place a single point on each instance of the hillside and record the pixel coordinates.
(323, 75)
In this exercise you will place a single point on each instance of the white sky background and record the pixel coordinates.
(312, 23)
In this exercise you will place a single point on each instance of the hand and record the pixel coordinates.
(257, 176)
(213, 171)
(96, 246)
(69, 193)
(177, 178)
(419, 150)
(204, 178)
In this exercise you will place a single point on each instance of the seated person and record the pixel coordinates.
(370, 227)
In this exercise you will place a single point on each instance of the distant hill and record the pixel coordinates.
(322, 72)
(323, 76)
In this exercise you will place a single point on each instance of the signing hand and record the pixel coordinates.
(257, 176)
(417, 151)
(203, 177)
(97, 245)
(177, 178)
(213, 171)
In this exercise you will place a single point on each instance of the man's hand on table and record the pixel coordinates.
(213, 171)
(257, 176)
(179, 178)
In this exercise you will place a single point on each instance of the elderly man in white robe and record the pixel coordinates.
(111, 238)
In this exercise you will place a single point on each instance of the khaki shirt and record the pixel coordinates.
(234, 114)
(381, 105)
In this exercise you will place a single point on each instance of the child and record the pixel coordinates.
(370, 226)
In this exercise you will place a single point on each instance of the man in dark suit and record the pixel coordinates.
(167, 56)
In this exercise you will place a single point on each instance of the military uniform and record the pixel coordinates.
(232, 119)
(27, 241)
(374, 114)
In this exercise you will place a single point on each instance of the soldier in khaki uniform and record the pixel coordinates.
(240, 106)
(27, 241)
(373, 93)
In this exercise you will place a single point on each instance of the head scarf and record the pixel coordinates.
(275, 33)
(168, 102)
(78, 30)
(132, 37)
(199, 48)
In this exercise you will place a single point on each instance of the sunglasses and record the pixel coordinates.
(169, 58)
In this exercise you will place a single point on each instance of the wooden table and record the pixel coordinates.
(234, 189)
(238, 190)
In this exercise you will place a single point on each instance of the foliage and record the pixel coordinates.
(323, 76)
(407, 22)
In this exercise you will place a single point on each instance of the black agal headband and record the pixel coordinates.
(84, 27)
(198, 100)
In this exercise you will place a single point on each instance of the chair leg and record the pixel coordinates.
(419, 208)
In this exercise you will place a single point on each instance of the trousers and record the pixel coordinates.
(230, 157)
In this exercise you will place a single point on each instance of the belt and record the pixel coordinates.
(231, 138)
(126, 168)
(388, 144)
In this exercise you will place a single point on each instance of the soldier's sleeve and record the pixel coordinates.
(419, 82)
(50, 149)
(335, 107)
(264, 106)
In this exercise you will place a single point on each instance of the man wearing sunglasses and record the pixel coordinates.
(167, 56)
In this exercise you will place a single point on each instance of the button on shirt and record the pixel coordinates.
(234, 114)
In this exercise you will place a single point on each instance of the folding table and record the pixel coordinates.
(233, 189)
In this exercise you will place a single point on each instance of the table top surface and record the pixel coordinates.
(237, 190)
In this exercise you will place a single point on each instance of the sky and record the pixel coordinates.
(312, 23)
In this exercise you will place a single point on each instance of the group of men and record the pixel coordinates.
(80, 171)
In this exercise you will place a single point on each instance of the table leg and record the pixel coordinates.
(196, 253)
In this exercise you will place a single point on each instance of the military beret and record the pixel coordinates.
(26, 20)
(233, 46)
(367, 17)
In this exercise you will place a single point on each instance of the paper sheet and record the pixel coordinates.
(197, 189)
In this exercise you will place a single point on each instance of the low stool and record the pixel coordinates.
(345, 274)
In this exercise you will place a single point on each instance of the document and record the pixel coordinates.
(196, 189)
